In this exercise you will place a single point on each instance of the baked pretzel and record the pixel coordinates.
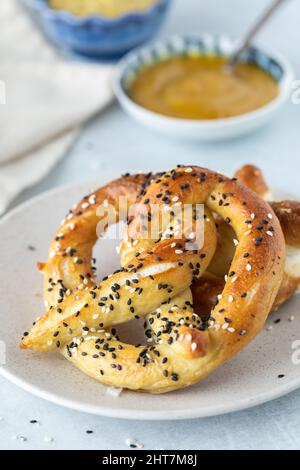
(156, 282)
(207, 289)
(288, 213)
(252, 177)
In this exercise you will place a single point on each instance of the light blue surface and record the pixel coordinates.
(114, 142)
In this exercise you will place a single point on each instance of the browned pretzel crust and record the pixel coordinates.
(205, 293)
(206, 290)
(252, 177)
(155, 283)
(288, 213)
(70, 262)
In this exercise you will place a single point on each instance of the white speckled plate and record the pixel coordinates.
(249, 379)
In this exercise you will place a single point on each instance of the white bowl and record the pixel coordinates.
(202, 130)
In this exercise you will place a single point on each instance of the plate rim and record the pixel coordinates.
(128, 413)
(153, 415)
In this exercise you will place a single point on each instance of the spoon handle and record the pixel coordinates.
(256, 28)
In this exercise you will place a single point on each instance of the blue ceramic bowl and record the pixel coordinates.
(97, 36)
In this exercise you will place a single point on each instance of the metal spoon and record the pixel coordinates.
(230, 65)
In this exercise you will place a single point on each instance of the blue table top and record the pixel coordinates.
(113, 142)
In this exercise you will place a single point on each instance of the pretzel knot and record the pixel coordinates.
(155, 279)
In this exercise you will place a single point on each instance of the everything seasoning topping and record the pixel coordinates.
(127, 292)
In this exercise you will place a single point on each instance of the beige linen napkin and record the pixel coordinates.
(44, 99)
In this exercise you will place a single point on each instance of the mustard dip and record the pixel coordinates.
(108, 8)
(199, 87)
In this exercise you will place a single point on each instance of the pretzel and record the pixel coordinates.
(252, 177)
(155, 283)
(288, 213)
(207, 289)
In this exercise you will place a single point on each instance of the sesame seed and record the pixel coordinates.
(92, 199)
(114, 392)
